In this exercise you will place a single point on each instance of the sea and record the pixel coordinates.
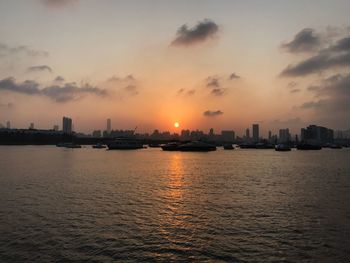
(244, 205)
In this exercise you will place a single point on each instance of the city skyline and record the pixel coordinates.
(223, 66)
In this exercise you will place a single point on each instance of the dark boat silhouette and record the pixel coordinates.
(196, 146)
(228, 146)
(282, 147)
(99, 146)
(125, 144)
(307, 146)
(171, 146)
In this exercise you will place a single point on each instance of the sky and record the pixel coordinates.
(150, 63)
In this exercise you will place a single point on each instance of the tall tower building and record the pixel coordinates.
(8, 125)
(256, 132)
(67, 125)
(247, 134)
(109, 126)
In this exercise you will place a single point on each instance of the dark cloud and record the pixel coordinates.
(292, 85)
(58, 3)
(65, 93)
(295, 90)
(234, 76)
(59, 79)
(131, 90)
(213, 82)
(218, 92)
(201, 32)
(6, 50)
(115, 79)
(331, 57)
(304, 41)
(190, 92)
(210, 113)
(39, 68)
(333, 96)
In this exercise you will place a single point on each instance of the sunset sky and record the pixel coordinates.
(150, 63)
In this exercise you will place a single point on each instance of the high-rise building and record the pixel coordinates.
(97, 134)
(67, 125)
(55, 128)
(227, 136)
(31, 126)
(284, 136)
(317, 134)
(109, 126)
(247, 133)
(256, 132)
(8, 125)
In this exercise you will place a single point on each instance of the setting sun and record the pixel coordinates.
(176, 125)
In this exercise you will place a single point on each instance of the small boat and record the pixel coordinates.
(99, 146)
(68, 145)
(282, 147)
(125, 144)
(336, 146)
(228, 146)
(196, 146)
(306, 146)
(171, 146)
(154, 145)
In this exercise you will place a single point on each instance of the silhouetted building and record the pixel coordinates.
(8, 125)
(247, 133)
(284, 136)
(211, 133)
(317, 134)
(255, 132)
(109, 126)
(67, 125)
(55, 128)
(227, 136)
(31, 126)
(185, 135)
(97, 134)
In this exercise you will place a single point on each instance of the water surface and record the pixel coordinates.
(89, 205)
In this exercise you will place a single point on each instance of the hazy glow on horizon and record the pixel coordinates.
(152, 63)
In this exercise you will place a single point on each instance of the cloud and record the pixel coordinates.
(210, 113)
(332, 57)
(213, 82)
(304, 41)
(201, 32)
(59, 79)
(333, 95)
(234, 76)
(115, 79)
(218, 92)
(65, 93)
(292, 85)
(6, 50)
(58, 3)
(292, 121)
(39, 68)
(131, 90)
(190, 92)
(295, 90)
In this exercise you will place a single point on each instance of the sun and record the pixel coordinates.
(176, 125)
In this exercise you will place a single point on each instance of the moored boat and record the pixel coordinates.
(282, 147)
(171, 146)
(307, 146)
(99, 146)
(196, 146)
(228, 146)
(125, 144)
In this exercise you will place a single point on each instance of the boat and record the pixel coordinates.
(282, 147)
(336, 146)
(196, 146)
(154, 145)
(99, 146)
(125, 144)
(307, 146)
(171, 146)
(68, 145)
(264, 146)
(228, 146)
